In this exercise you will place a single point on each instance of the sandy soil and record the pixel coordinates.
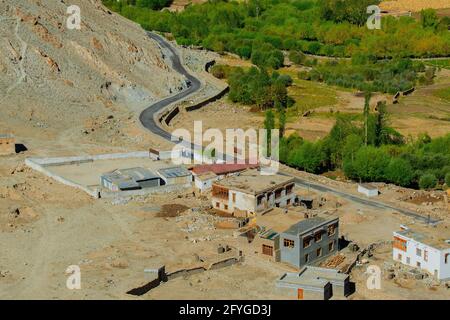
(413, 5)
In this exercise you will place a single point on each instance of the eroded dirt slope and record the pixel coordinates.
(53, 78)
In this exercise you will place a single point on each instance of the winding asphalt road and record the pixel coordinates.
(147, 116)
(148, 121)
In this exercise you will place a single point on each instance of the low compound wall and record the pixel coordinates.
(208, 101)
(41, 164)
(143, 192)
(41, 168)
(226, 262)
(172, 114)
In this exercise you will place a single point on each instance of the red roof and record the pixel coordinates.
(224, 168)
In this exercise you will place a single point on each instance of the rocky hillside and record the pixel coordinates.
(53, 78)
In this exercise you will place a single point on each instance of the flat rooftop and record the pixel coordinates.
(368, 186)
(313, 277)
(278, 220)
(252, 182)
(137, 174)
(434, 236)
(306, 225)
(222, 168)
(174, 172)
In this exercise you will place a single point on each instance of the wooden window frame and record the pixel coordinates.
(308, 241)
(331, 230)
(288, 243)
(267, 250)
(331, 246)
(319, 252)
(399, 244)
(316, 238)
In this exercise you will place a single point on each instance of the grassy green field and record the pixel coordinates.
(443, 94)
(308, 95)
(441, 63)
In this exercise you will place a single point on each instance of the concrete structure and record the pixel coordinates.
(130, 179)
(368, 189)
(250, 193)
(261, 236)
(223, 170)
(206, 174)
(419, 248)
(313, 283)
(309, 241)
(204, 181)
(7, 144)
(175, 175)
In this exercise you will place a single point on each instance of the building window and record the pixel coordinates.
(226, 207)
(418, 252)
(219, 192)
(319, 252)
(408, 260)
(446, 258)
(288, 202)
(331, 246)
(259, 199)
(288, 243)
(289, 188)
(331, 229)
(234, 197)
(278, 193)
(399, 257)
(306, 258)
(399, 244)
(318, 236)
(425, 255)
(217, 205)
(306, 242)
(267, 250)
(418, 264)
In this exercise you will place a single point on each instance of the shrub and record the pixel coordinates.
(427, 181)
(447, 179)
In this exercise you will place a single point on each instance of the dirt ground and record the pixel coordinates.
(45, 227)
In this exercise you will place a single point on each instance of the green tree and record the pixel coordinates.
(269, 125)
(370, 163)
(429, 18)
(399, 172)
(427, 181)
(366, 117)
(282, 121)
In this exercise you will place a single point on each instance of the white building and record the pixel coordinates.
(251, 193)
(423, 250)
(203, 182)
(206, 174)
(368, 189)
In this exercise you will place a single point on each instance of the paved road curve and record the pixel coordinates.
(148, 122)
(146, 116)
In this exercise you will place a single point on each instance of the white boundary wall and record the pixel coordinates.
(40, 165)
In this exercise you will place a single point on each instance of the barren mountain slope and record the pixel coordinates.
(53, 78)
